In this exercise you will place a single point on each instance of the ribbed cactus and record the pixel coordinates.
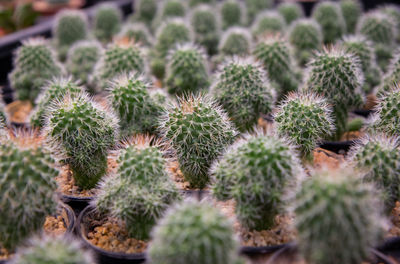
(255, 172)
(232, 13)
(337, 76)
(254, 7)
(187, 70)
(351, 10)
(34, 64)
(268, 22)
(51, 250)
(169, 9)
(337, 217)
(69, 27)
(84, 133)
(235, 41)
(329, 16)
(53, 90)
(305, 119)
(106, 22)
(193, 3)
(137, 33)
(274, 53)
(392, 75)
(146, 10)
(27, 187)
(305, 36)
(241, 87)
(290, 11)
(394, 12)
(198, 131)
(193, 232)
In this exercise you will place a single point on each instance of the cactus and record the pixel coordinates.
(193, 3)
(84, 133)
(305, 36)
(52, 249)
(130, 98)
(146, 10)
(392, 76)
(243, 90)
(337, 76)
(53, 90)
(235, 41)
(137, 33)
(290, 11)
(274, 53)
(193, 232)
(254, 7)
(337, 217)
(187, 70)
(198, 131)
(106, 22)
(169, 9)
(330, 17)
(305, 119)
(232, 13)
(351, 10)
(69, 27)
(34, 64)
(394, 12)
(268, 22)
(27, 187)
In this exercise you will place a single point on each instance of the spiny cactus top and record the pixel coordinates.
(232, 13)
(329, 16)
(290, 11)
(106, 22)
(52, 250)
(84, 132)
(199, 131)
(268, 22)
(394, 12)
(187, 70)
(137, 33)
(392, 76)
(193, 3)
(169, 9)
(193, 232)
(243, 90)
(256, 172)
(305, 119)
(377, 27)
(146, 10)
(27, 187)
(254, 7)
(351, 10)
(338, 218)
(235, 41)
(34, 64)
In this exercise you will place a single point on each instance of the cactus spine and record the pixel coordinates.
(232, 13)
(235, 41)
(392, 76)
(330, 17)
(268, 22)
(146, 10)
(290, 11)
(106, 22)
(351, 10)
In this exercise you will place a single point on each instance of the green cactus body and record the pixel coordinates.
(232, 13)
(254, 7)
(392, 76)
(337, 217)
(268, 22)
(137, 33)
(198, 131)
(146, 10)
(305, 119)
(27, 187)
(290, 11)
(243, 90)
(84, 133)
(187, 70)
(351, 10)
(34, 64)
(169, 9)
(235, 41)
(394, 12)
(255, 172)
(193, 232)
(106, 22)
(193, 3)
(330, 17)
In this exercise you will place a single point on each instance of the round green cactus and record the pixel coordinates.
(394, 12)
(232, 13)
(243, 90)
(84, 133)
(268, 22)
(193, 232)
(193, 3)
(51, 250)
(255, 172)
(106, 22)
(290, 11)
(337, 217)
(198, 131)
(305, 36)
(330, 17)
(146, 10)
(254, 7)
(392, 75)
(27, 187)
(305, 119)
(351, 10)
(235, 41)
(137, 33)
(169, 9)
(34, 64)
(187, 70)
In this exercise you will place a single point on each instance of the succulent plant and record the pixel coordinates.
(268, 22)
(254, 7)
(305, 36)
(34, 64)
(235, 41)
(106, 22)
(305, 119)
(51, 250)
(392, 75)
(84, 133)
(329, 16)
(27, 187)
(69, 27)
(232, 13)
(193, 3)
(243, 90)
(337, 76)
(351, 10)
(255, 172)
(146, 10)
(187, 70)
(137, 33)
(193, 232)
(169, 9)
(290, 11)
(337, 217)
(394, 12)
(198, 131)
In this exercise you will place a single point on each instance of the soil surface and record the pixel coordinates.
(178, 177)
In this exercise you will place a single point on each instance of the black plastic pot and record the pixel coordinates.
(363, 112)
(76, 203)
(103, 256)
(391, 247)
(339, 147)
(252, 252)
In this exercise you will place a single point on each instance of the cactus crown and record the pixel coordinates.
(106, 22)
(137, 33)
(304, 118)
(235, 41)
(185, 233)
(268, 22)
(27, 187)
(256, 172)
(198, 131)
(377, 27)
(254, 7)
(333, 204)
(392, 75)
(351, 10)
(243, 90)
(394, 12)
(173, 8)
(290, 11)
(232, 13)
(84, 132)
(193, 3)
(329, 16)
(146, 10)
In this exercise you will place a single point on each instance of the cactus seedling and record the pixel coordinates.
(235, 41)
(268, 22)
(330, 17)
(290, 11)
(137, 33)
(254, 7)
(146, 10)
(232, 13)
(198, 131)
(193, 232)
(106, 22)
(169, 9)
(351, 10)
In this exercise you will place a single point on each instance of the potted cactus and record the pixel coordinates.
(106, 22)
